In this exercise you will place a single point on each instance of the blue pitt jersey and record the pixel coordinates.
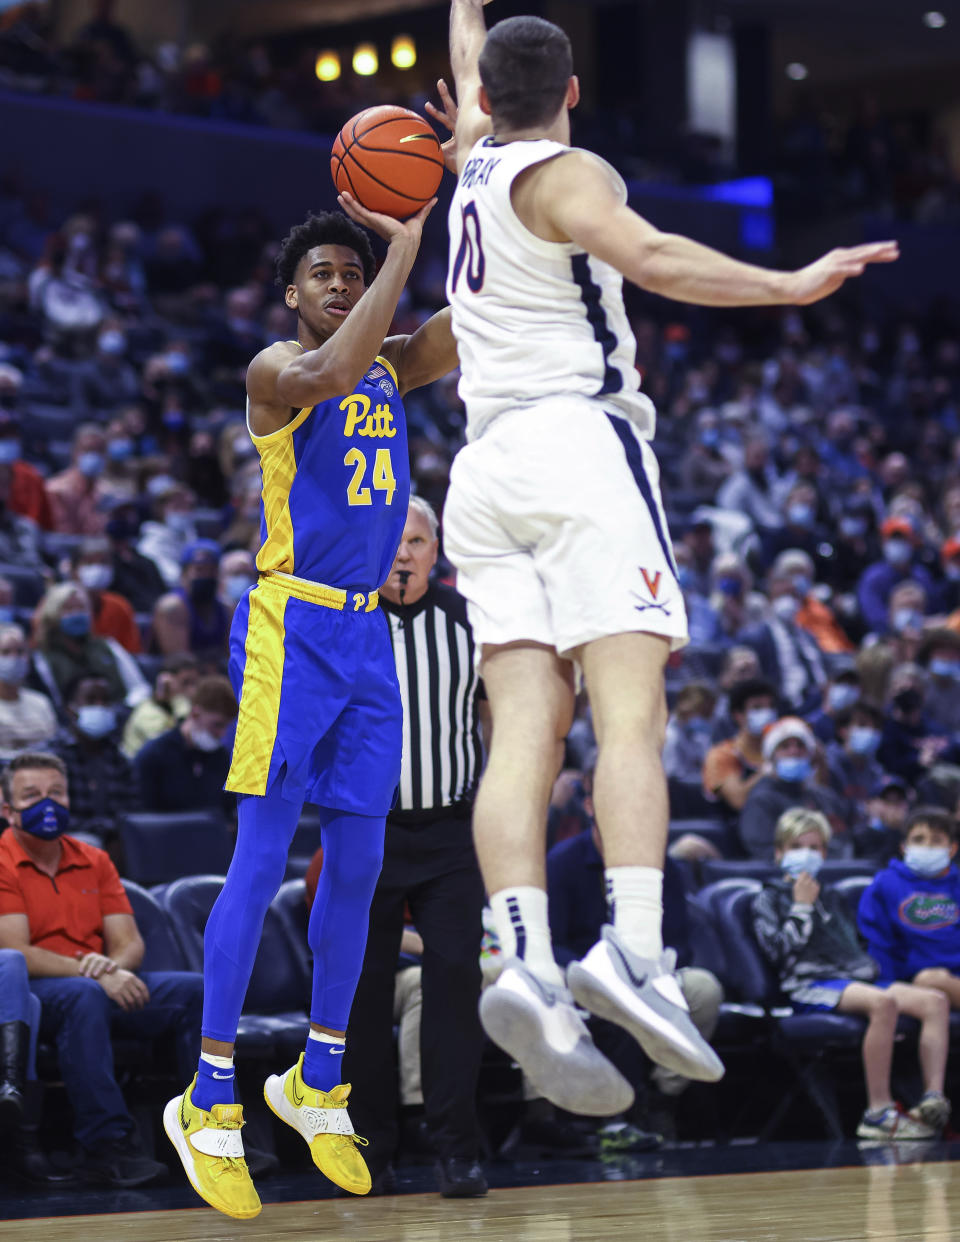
(336, 482)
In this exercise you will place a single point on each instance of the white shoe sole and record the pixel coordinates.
(577, 1078)
(280, 1106)
(664, 1043)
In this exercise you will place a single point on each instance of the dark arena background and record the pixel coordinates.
(152, 157)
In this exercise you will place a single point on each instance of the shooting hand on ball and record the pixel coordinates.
(387, 227)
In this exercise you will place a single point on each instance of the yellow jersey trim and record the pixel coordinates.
(286, 430)
(318, 593)
(260, 695)
(278, 465)
(384, 363)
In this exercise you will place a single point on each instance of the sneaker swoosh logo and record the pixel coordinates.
(297, 1096)
(184, 1124)
(637, 982)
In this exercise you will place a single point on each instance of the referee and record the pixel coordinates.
(429, 865)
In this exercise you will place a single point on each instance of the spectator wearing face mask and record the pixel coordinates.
(911, 743)
(885, 814)
(703, 624)
(27, 718)
(102, 787)
(28, 492)
(113, 617)
(108, 381)
(135, 577)
(789, 780)
(119, 481)
(75, 494)
(907, 617)
(66, 647)
(800, 529)
(814, 615)
(852, 757)
(705, 466)
(164, 536)
(910, 913)
(939, 654)
(789, 657)
(731, 594)
(185, 768)
(752, 490)
(899, 563)
(855, 543)
(236, 574)
(169, 704)
(19, 537)
(192, 618)
(687, 737)
(739, 664)
(841, 692)
(733, 767)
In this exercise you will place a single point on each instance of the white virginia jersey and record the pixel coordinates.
(533, 319)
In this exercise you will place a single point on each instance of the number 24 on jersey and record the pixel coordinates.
(382, 479)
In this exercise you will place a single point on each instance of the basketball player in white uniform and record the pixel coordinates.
(555, 525)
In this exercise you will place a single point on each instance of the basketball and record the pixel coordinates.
(389, 159)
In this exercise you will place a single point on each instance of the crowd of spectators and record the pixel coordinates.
(822, 162)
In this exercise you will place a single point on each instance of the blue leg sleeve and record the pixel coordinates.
(265, 830)
(352, 858)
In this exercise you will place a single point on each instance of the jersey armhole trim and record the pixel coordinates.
(389, 366)
(286, 430)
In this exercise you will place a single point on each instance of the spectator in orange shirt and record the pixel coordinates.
(76, 492)
(63, 906)
(113, 616)
(733, 767)
(28, 493)
(813, 615)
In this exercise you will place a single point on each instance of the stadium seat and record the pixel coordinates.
(162, 950)
(852, 888)
(834, 869)
(290, 904)
(718, 833)
(805, 1041)
(28, 584)
(275, 1021)
(688, 801)
(308, 837)
(158, 848)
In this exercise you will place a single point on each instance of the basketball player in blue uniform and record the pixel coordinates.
(311, 661)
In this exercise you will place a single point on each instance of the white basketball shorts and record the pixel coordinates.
(555, 526)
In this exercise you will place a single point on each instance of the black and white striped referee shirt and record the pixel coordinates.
(441, 692)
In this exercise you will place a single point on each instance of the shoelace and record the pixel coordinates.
(228, 1164)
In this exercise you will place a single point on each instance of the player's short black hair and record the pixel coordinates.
(525, 66)
(327, 228)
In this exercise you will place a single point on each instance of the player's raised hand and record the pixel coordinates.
(825, 276)
(448, 118)
(387, 227)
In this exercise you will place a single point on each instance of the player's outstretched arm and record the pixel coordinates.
(580, 201)
(468, 33)
(424, 355)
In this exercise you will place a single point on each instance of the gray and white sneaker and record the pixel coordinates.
(538, 1025)
(644, 997)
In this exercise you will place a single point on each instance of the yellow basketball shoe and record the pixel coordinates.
(211, 1152)
(321, 1118)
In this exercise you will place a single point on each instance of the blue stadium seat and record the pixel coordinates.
(275, 1021)
(807, 1042)
(852, 887)
(833, 871)
(158, 847)
(688, 801)
(719, 834)
(162, 950)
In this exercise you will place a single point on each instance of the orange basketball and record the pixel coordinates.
(389, 159)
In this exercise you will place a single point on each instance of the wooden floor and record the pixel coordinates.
(879, 1204)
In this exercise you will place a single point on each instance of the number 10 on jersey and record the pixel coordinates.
(383, 478)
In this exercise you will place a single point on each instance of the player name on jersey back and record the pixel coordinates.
(533, 319)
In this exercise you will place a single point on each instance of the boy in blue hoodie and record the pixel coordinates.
(910, 914)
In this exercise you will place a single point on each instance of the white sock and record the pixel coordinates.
(520, 917)
(219, 1062)
(323, 1038)
(635, 899)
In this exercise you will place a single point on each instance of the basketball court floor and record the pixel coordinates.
(801, 1192)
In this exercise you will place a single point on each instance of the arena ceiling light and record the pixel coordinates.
(403, 52)
(365, 60)
(934, 19)
(327, 67)
(796, 71)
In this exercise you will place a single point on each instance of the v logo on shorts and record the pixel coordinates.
(653, 584)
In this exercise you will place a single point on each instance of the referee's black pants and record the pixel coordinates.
(432, 867)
